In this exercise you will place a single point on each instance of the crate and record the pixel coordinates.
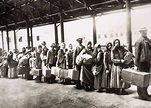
(131, 76)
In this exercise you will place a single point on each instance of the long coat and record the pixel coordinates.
(116, 55)
(61, 59)
(51, 57)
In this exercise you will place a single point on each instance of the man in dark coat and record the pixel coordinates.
(77, 51)
(38, 62)
(142, 60)
(51, 61)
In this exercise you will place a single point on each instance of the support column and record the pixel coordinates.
(7, 38)
(129, 33)
(2, 40)
(28, 37)
(94, 31)
(31, 36)
(56, 33)
(15, 40)
(62, 27)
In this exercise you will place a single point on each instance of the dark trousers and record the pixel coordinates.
(142, 91)
(53, 77)
(78, 82)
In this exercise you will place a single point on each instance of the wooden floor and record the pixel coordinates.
(20, 93)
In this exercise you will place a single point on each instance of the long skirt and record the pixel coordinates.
(87, 75)
(106, 77)
(116, 81)
(97, 71)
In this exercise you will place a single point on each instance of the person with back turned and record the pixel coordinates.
(142, 60)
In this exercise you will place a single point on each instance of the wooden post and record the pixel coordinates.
(7, 38)
(94, 31)
(2, 40)
(31, 36)
(62, 27)
(56, 33)
(129, 33)
(28, 37)
(15, 40)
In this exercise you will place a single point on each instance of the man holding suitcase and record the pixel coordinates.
(142, 60)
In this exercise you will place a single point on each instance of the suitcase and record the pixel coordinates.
(13, 72)
(55, 71)
(140, 79)
(63, 73)
(36, 72)
(69, 74)
(48, 73)
(73, 74)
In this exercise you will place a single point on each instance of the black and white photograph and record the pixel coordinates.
(75, 53)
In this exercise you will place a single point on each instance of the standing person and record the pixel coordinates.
(44, 56)
(51, 61)
(39, 62)
(97, 69)
(142, 59)
(70, 57)
(44, 52)
(86, 73)
(61, 60)
(24, 63)
(117, 57)
(77, 51)
(107, 67)
(12, 66)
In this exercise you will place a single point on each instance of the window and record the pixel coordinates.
(20, 39)
(105, 35)
(116, 34)
(99, 36)
(38, 38)
(111, 35)
(121, 34)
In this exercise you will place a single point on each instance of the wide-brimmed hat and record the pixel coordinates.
(53, 45)
(143, 29)
(79, 40)
(43, 43)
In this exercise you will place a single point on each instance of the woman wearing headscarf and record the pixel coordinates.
(98, 67)
(117, 57)
(12, 66)
(87, 77)
(107, 67)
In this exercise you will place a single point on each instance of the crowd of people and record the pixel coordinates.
(99, 69)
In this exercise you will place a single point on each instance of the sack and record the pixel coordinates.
(23, 61)
(78, 60)
(128, 59)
